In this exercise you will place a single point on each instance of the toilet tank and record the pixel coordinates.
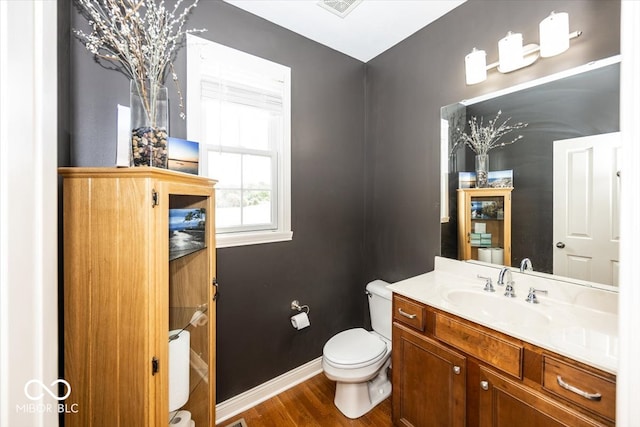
(380, 307)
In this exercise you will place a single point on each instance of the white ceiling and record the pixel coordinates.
(368, 30)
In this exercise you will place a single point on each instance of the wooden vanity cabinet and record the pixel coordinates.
(448, 371)
(487, 209)
(429, 381)
(122, 294)
(505, 402)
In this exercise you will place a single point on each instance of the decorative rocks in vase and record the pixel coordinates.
(149, 124)
(482, 170)
(140, 38)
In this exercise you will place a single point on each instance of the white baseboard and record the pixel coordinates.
(250, 398)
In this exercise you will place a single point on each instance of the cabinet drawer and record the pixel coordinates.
(408, 313)
(586, 389)
(501, 353)
(507, 402)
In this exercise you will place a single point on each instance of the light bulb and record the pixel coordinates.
(476, 66)
(510, 52)
(554, 34)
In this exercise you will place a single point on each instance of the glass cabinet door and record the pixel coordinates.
(190, 224)
(484, 225)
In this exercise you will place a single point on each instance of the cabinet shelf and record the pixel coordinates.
(484, 211)
(188, 318)
(122, 294)
(185, 253)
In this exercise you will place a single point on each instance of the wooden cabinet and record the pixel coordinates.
(506, 402)
(448, 371)
(484, 222)
(122, 294)
(428, 381)
(587, 389)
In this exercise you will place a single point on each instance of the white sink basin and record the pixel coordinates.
(604, 344)
(576, 321)
(495, 308)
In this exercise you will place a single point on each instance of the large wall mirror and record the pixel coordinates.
(563, 109)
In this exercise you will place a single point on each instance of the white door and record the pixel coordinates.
(586, 207)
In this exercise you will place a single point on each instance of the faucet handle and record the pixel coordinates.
(488, 286)
(509, 291)
(532, 295)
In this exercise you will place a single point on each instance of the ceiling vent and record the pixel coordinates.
(339, 7)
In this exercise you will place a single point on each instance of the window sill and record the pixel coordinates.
(243, 239)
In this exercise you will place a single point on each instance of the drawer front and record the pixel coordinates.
(586, 389)
(499, 352)
(504, 401)
(409, 313)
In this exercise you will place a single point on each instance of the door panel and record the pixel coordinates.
(586, 207)
(506, 403)
(428, 382)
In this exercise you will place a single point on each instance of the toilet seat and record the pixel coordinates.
(354, 348)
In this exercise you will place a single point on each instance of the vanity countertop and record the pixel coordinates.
(577, 321)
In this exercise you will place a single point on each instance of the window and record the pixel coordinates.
(239, 109)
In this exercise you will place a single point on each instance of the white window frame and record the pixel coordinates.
(200, 55)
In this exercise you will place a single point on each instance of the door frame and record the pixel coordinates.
(28, 211)
(628, 378)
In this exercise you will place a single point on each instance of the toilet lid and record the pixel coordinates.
(354, 347)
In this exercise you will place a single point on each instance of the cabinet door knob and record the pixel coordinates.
(560, 245)
(456, 370)
(484, 385)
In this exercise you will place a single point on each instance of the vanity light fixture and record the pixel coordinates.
(554, 34)
(513, 55)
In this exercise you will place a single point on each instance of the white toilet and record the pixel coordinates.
(358, 359)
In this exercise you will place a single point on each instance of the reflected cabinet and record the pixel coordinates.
(484, 224)
(139, 296)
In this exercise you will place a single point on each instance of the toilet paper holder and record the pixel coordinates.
(295, 305)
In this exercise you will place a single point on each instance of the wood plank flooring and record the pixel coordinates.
(310, 404)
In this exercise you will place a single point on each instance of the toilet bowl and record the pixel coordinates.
(358, 359)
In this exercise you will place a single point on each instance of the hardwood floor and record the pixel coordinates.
(309, 404)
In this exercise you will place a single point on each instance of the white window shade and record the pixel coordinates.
(242, 94)
(239, 109)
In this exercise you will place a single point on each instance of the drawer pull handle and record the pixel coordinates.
(407, 315)
(591, 396)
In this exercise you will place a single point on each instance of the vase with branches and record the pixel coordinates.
(481, 139)
(140, 38)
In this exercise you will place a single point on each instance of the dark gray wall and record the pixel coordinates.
(322, 266)
(407, 85)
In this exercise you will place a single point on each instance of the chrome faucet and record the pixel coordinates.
(508, 290)
(488, 285)
(525, 265)
(532, 295)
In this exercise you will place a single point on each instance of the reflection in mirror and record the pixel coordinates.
(572, 105)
